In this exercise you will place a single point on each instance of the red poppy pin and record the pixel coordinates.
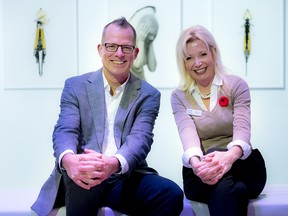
(223, 101)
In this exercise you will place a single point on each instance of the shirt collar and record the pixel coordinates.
(217, 81)
(119, 88)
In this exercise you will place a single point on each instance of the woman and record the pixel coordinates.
(212, 113)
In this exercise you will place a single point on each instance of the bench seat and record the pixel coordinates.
(272, 201)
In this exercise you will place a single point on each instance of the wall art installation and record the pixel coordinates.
(75, 29)
(20, 69)
(158, 25)
(40, 42)
(266, 56)
(247, 37)
(146, 25)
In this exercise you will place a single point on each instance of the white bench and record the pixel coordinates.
(105, 211)
(272, 201)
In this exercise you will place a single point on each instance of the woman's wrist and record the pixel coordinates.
(194, 160)
(236, 152)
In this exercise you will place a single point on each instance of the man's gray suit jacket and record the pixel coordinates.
(81, 125)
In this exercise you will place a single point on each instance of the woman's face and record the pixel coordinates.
(199, 63)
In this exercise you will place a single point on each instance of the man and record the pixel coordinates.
(103, 135)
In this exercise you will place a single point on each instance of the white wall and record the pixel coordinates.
(28, 115)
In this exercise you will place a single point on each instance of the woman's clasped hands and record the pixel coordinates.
(213, 166)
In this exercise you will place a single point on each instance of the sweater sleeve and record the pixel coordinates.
(241, 111)
(186, 127)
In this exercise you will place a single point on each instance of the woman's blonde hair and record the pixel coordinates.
(191, 34)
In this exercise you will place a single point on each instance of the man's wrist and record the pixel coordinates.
(119, 169)
(62, 155)
(64, 159)
(116, 165)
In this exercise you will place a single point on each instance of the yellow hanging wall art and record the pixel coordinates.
(40, 43)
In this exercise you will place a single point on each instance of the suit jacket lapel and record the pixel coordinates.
(96, 97)
(130, 95)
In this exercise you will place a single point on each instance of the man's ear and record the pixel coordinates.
(100, 50)
(136, 51)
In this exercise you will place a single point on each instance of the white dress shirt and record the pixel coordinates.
(109, 147)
